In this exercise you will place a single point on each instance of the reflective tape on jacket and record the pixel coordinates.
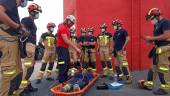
(125, 63)
(9, 72)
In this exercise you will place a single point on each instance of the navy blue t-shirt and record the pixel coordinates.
(119, 39)
(30, 25)
(159, 29)
(82, 39)
(12, 12)
(91, 39)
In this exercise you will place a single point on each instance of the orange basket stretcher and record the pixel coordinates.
(57, 89)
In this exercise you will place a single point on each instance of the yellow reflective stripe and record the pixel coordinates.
(48, 41)
(110, 69)
(158, 50)
(125, 63)
(90, 68)
(94, 69)
(163, 69)
(42, 72)
(56, 70)
(9, 73)
(120, 75)
(28, 63)
(49, 71)
(25, 82)
(104, 39)
(149, 83)
(165, 86)
(105, 68)
(61, 62)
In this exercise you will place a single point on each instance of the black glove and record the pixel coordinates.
(151, 53)
(0, 53)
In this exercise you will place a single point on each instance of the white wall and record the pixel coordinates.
(52, 11)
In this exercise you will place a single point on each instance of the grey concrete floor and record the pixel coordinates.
(127, 90)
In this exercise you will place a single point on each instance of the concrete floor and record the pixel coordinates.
(127, 90)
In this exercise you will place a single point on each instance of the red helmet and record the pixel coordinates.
(90, 29)
(83, 30)
(117, 22)
(103, 26)
(34, 8)
(50, 25)
(152, 13)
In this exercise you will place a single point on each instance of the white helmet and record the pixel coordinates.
(71, 18)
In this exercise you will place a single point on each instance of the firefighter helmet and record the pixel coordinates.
(152, 13)
(103, 26)
(117, 22)
(71, 18)
(50, 25)
(90, 29)
(34, 8)
(83, 30)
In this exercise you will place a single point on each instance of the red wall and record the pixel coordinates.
(131, 12)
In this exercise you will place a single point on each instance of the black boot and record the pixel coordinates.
(160, 92)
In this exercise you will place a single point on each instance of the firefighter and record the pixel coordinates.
(83, 47)
(29, 45)
(63, 43)
(48, 41)
(75, 64)
(104, 41)
(120, 40)
(90, 53)
(160, 53)
(10, 61)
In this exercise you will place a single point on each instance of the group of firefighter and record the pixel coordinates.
(73, 53)
(102, 45)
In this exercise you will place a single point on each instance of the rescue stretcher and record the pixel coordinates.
(57, 89)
